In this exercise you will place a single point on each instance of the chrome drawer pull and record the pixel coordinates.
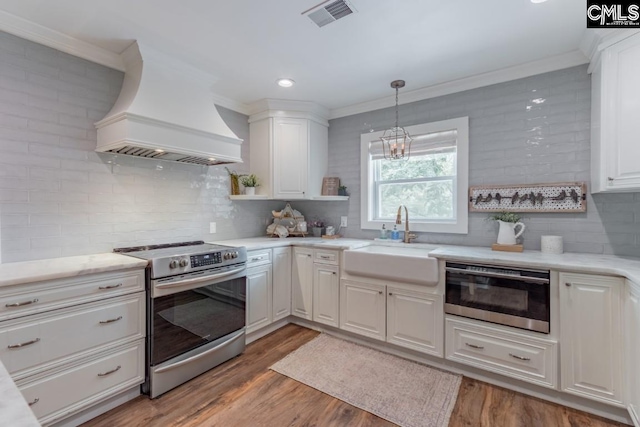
(110, 286)
(109, 372)
(258, 258)
(20, 304)
(111, 320)
(23, 344)
(515, 356)
(477, 347)
(325, 257)
(36, 400)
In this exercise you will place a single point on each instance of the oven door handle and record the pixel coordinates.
(199, 279)
(498, 275)
(199, 356)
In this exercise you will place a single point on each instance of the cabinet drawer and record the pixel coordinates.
(67, 391)
(259, 257)
(21, 300)
(326, 257)
(514, 355)
(41, 341)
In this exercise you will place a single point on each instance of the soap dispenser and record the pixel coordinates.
(395, 234)
(383, 232)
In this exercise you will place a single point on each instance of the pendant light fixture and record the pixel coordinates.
(396, 142)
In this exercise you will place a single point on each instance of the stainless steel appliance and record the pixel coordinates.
(196, 296)
(513, 297)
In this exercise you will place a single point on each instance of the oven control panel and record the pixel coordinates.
(206, 259)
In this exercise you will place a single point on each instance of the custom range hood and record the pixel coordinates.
(166, 111)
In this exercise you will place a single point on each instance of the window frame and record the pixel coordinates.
(460, 225)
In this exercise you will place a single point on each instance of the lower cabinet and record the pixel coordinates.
(632, 343)
(515, 355)
(281, 283)
(326, 290)
(404, 315)
(363, 308)
(84, 384)
(592, 337)
(415, 320)
(259, 295)
(302, 283)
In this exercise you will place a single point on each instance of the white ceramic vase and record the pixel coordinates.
(507, 233)
(250, 191)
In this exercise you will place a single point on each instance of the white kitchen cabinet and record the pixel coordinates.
(591, 337)
(302, 283)
(281, 283)
(632, 344)
(326, 291)
(615, 103)
(415, 319)
(363, 308)
(289, 150)
(259, 294)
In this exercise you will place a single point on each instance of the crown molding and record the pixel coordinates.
(595, 41)
(265, 108)
(37, 33)
(552, 63)
(231, 104)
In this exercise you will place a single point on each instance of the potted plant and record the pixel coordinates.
(508, 222)
(317, 225)
(250, 182)
(342, 190)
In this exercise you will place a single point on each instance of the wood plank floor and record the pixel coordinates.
(244, 392)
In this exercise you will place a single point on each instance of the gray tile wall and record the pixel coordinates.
(60, 198)
(532, 130)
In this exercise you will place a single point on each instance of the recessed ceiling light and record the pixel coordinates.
(538, 1)
(285, 82)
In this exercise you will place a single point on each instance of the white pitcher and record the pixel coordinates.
(507, 233)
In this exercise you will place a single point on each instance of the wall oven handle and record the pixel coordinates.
(199, 279)
(498, 275)
(201, 355)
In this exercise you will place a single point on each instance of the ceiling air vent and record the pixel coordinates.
(323, 15)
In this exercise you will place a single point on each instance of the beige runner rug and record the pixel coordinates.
(404, 392)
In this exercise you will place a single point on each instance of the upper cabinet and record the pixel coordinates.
(615, 109)
(288, 148)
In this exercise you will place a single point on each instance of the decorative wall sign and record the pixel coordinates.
(563, 197)
(330, 186)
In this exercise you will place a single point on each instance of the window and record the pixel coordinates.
(432, 184)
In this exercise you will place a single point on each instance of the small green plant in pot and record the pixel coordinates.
(342, 190)
(508, 222)
(250, 182)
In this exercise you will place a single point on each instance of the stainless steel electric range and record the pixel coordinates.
(196, 298)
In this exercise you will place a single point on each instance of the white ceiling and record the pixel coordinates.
(248, 44)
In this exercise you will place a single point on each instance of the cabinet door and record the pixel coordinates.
(632, 342)
(591, 336)
(415, 320)
(362, 309)
(326, 290)
(620, 112)
(259, 294)
(290, 157)
(302, 283)
(281, 283)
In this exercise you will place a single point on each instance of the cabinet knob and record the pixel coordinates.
(390, 294)
(567, 284)
(610, 179)
(380, 292)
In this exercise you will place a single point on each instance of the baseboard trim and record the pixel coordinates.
(555, 396)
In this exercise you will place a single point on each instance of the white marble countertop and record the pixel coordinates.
(573, 262)
(16, 273)
(14, 410)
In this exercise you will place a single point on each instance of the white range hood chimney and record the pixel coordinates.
(166, 111)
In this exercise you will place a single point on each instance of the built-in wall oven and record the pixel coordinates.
(196, 299)
(508, 296)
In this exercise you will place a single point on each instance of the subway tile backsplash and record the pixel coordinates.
(60, 198)
(531, 130)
